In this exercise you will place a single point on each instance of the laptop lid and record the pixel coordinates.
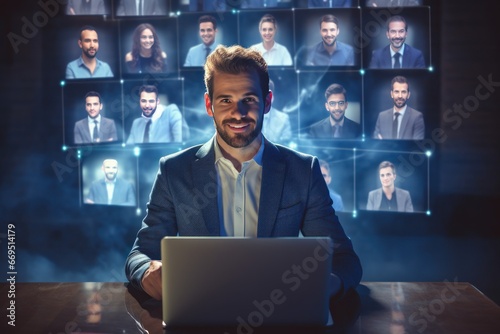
(246, 282)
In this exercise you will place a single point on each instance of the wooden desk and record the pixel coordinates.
(386, 307)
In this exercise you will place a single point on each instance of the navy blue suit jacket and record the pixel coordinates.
(294, 197)
(412, 58)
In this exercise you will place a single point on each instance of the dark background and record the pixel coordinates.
(59, 240)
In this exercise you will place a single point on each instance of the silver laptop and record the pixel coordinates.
(246, 282)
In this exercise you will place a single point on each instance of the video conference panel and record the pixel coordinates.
(161, 48)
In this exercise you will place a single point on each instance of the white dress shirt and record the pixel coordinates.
(238, 194)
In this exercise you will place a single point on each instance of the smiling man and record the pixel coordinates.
(87, 65)
(238, 183)
(158, 123)
(208, 31)
(94, 128)
(330, 51)
(397, 54)
(401, 121)
(336, 125)
(389, 197)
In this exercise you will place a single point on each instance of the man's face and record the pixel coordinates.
(267, 31)
(237, 107)
(89, 43)
(396, 34)
(336, 106)
(207, 33)
(148, 102)
(326, 175)
(400, 94)
(110, 169)
(387, 177)
(93, 106)
(147, 39)
(329, 32)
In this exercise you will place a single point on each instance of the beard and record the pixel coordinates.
(89, 55)
(238, 140)
(400, 103)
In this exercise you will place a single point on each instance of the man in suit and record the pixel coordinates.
(94, 128)
(389, 197)
(140, 7)
(338, 203)
(208, 31)
(111, 190)
(329, 3)
(336, 125)
(158, 123)
(238, 183)
(397, 54)
(276, 125)
(393, 3)
(401, 121)
(86, 7)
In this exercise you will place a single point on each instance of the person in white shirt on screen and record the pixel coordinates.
(273, 53)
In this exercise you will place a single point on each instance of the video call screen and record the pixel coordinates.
(150, 62)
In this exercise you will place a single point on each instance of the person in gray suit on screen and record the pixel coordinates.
(94, 128)
(401, 121)
(389, 197)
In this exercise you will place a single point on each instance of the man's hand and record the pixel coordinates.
(151, 281)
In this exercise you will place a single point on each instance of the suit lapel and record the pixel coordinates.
(273, 177)
(205, 183)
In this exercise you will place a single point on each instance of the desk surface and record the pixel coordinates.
(386, 307)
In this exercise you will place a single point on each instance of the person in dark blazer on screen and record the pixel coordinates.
(397, 54)
(336, 125)
(196, 192)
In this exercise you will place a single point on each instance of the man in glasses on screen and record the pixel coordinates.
(336, 125)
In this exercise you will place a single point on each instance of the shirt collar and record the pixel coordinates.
(257, 157)
(401, 51)
(401, 112)
(91, 120)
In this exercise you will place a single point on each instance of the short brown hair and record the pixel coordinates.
(235, 60)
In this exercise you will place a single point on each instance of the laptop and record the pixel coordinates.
(246, 282)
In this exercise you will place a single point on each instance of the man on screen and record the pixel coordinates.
(111, 189)
(401, 121)
(208, 31)
(336, 125)
(158, 123)
(140, 7)
(397, 54)
(260, 189)
(276, 125)
(338, 204)
(87, 65)
(94, 128)
(330, 51)
(389, 197)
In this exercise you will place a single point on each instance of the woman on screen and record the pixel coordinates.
(273, 53)
(146, 55)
